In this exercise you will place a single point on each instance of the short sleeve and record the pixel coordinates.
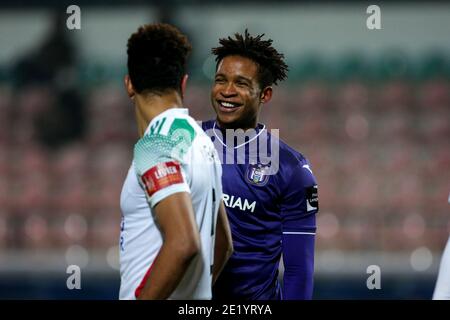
(300, 201)
(160, 163)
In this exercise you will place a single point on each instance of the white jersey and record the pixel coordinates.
(174, 155)
(442, 289)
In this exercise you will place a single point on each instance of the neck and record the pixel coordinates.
(253, 124)
(149, 105)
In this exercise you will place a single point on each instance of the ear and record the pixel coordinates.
(129, 87)
(183, 84)
(266, 94)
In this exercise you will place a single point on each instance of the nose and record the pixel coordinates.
(229, 90)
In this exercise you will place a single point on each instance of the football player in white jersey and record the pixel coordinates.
(442, 288)
(175, 236)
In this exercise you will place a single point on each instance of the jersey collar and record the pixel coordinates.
(168, 112)
(259, 129)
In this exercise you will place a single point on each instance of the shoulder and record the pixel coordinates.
(290, 156)
(168, 125)
(294, 165)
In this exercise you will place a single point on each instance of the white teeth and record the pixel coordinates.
(227, 104)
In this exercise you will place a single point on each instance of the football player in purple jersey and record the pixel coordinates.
(272, 212)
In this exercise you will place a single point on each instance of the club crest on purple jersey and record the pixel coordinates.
(257, 175)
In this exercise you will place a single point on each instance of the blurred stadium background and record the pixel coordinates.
(369, 108)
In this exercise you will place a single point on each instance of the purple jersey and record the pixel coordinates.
(269, 215)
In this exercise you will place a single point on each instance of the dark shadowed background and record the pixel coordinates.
(369, 108)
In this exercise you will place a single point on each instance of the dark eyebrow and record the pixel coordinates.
(241, 78)
(244, 78)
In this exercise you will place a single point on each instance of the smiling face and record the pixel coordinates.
(236, 95)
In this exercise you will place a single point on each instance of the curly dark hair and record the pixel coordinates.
(271, 66)
(157, 55)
